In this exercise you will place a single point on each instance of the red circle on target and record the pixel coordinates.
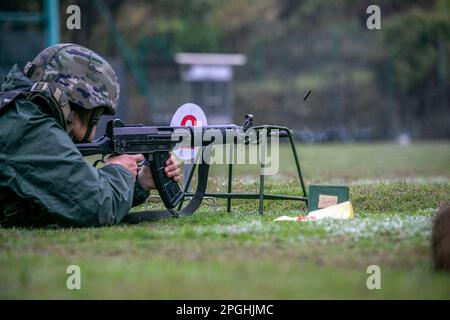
(190, 118)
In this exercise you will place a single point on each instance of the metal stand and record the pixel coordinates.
(261, 196)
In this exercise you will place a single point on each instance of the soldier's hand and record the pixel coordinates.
(128, 161)
(172, 170)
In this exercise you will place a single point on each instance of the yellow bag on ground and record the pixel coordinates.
(342, 210)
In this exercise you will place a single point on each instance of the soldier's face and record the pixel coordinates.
(79, 129)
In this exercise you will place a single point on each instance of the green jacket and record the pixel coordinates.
(40, 164)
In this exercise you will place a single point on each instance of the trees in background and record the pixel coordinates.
(366, 83)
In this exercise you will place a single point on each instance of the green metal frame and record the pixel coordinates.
(261, 195)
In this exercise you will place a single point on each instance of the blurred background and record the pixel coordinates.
(387, 84)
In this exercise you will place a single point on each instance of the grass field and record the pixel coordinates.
(395, 192)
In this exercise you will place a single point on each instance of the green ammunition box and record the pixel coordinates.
(322, 196)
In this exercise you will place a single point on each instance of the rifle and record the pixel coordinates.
(156, 143)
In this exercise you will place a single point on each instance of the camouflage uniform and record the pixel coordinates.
(43, 177)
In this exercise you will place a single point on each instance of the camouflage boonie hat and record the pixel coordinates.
(82, 75)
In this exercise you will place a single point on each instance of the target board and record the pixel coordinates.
(189, 114)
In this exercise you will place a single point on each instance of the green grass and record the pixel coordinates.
(395, 192)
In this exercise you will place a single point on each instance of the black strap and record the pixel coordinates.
(93, 120)
(189, 209)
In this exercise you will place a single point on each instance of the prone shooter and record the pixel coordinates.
(57, 100)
